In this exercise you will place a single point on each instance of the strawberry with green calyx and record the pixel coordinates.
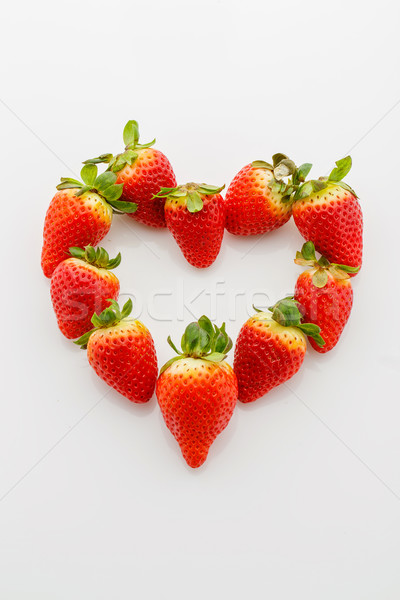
(324, 294)
(142, 170)
(270, 348)
(195, 215)
(121, 351)
(197, 390)
(327, 212)
(258, 199)
(80, 286)
(80, 214)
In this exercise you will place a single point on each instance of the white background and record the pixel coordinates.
(300, 495)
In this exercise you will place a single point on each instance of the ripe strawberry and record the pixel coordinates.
(80, 286)
(80, 214)
(197, 390)
(270, 349)
(327, 212)
(143, 171)
(324, 295)
(258, 200)
(121, 351)
(195, 215)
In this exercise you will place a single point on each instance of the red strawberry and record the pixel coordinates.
(80, 286)
(324, 294)
(80, 215)
(195, 215)
(197, 390)
(327, 212)
(258, 200)
(270, 349)
(121, 351)
(143, 171)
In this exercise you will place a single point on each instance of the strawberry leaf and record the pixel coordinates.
(277, 158)
(105, 180)
(286, 313)
(126, 309)
(301, 174)
(131, 133)
(205, 323)
(148, 145)
(90, 254)
(76, 252)
(195, 339)
(83, 340)
(345, 186)
(89, 174)
(346, 268)
(125, 207)
(312, 331)
(171, 343)
(103, 158)
(209, 190)
(113, 192)
(194, 203)
(343, 166)
(308, 251)
(114, 262)
(82, 190)
(261, 164)
(69, 184)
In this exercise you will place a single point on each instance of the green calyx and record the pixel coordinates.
(203, 340)
(336, 176)
(128, 157)
(286, 312)
(104, 185)
(287, 177)
(322, 266)
(111, 316)
(190, 193)
(97, 257)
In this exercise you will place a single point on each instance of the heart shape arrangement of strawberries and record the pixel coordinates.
(197, 389)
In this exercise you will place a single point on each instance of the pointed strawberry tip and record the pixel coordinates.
(195, 458)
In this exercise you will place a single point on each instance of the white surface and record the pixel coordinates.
(300, 496)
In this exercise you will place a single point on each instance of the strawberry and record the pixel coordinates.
(327, 212)
(270, 349)
(80, 286)
(324, 295)
(197, 390)
(258, 200)
(142, 170)
(80, 215)
(195, 215)
(121, 351)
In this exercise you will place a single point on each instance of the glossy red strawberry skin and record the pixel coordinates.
(124, 357)
(332, 219)
(266, 355)
(73, 221)
(251, 207)
(197, 399)
(78, 290)
(199, 235)
(328, 307)
(150, 171)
